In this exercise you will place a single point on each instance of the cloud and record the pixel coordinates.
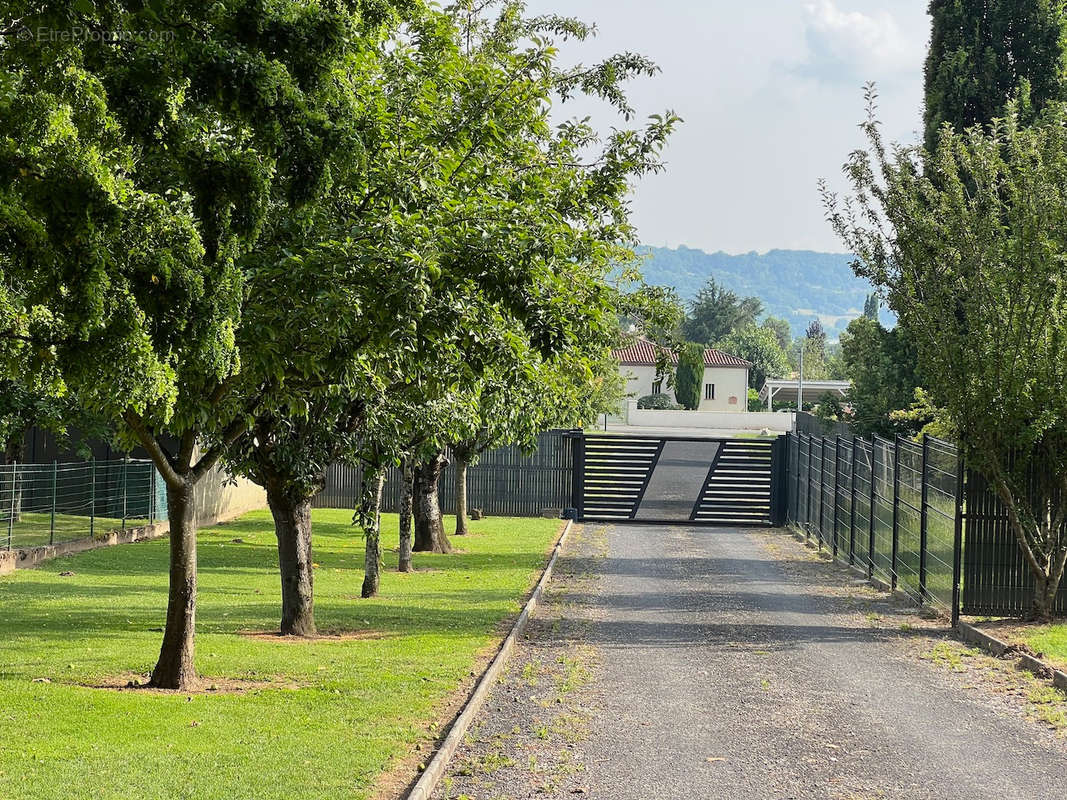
(851, 46)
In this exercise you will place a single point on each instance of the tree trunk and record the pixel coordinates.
(407, 477)
(1040, 545)
(292, 528)
(1046, 588)
(429, 528)
(370, 520)
(14, 454)
(175, 668)
(462, 461)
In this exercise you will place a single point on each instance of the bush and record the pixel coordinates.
(657, 402)
(689, 376)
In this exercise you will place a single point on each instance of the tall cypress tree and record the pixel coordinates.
(983, 53)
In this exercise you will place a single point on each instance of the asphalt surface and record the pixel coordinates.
(720, 672)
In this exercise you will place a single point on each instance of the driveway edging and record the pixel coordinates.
(972, 635)
(430, 777)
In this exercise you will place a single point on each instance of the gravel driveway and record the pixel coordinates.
(689, 662)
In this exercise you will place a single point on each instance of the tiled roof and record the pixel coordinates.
(643, 353)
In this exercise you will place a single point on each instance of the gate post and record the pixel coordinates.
(822, 486)
(807, 504)
(837, 481)
(923, 523)
(896, 512)
(852, 508)
(578, 473)
(957, 546)
(779, 479)
(870, 521)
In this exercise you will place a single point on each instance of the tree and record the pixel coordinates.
(781, 329)
(141, 179)
(883, 368)
(716, 312)
(984, 53)
(759, 345)
(871, 306)
(970, 250)
(816, 335)
(689, 376)
(457, 268)
(566, 391)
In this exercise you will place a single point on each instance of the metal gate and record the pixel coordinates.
(712, 481)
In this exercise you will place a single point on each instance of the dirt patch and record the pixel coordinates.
(133, 682)
(323, 636)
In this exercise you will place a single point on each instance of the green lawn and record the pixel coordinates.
(35, 529)
(341, 711)
(1051, 642)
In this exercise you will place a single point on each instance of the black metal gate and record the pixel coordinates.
(712, 481)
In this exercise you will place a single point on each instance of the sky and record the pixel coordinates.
(771, 93)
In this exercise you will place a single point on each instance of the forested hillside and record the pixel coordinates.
(797, 285)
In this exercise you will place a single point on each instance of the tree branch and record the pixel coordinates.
(155, 450)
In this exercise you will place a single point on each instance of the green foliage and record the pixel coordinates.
(883, 368)
(495, 267)
(759, 345)
(754, 403)
(985, 53)
(971, 254)
(791, 284)
(689, 376)
(717, 312)
(353, 705)
(922, 417)
(871, 306)
(657, 402)
(829, 409)
(782, 332)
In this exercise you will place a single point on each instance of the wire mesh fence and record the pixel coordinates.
(888, 507)
(42, 504)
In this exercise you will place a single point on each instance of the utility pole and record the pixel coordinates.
(800, 380)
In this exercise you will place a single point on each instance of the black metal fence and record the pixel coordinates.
(889, 508)
(996, 578)
(43, 504)
(503, 482)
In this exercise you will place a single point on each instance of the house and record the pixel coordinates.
(725, 385)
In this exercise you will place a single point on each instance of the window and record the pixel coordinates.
(709, 391)
(657, 387)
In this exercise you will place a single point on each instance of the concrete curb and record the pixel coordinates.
(973, 635)
(32, 557)
(434, 771)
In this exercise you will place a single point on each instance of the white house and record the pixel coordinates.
(725, 386)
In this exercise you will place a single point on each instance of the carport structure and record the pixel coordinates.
(791, 390)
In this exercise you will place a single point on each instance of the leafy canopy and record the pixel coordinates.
(970, 246)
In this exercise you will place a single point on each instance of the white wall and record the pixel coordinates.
(731, 386)
(781, 421)
(731, 389)
(639, 381)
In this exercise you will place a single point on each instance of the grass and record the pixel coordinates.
(1050, 641)
(35, 529)
(326, 718)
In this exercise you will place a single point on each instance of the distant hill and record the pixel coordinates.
(797, 285)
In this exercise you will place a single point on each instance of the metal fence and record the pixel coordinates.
(43, 504)
(889, 508)
(504, 482)
(996, 577)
